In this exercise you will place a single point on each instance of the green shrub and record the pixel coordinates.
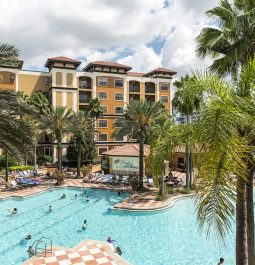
(184, 190)
(42, 159)
(11, 162)
(193, 186)
(20, 168)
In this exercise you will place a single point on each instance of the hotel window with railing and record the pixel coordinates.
(118, 96)
(164, 99)
(102, 123)
(164, 86)
(118, 110)
(102, 81)
(102, 137)
(102, 95)
(118, 82)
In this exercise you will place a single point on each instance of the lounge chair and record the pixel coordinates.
(150, 182)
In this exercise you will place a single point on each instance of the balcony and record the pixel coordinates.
(133, 97)
(150, 98)
(134, 86)
(84, 97)
(150, 88)
(84, 82)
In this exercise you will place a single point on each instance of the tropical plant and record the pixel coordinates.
(57, 123)
(15, 133)
(224, 139)
(230, 43)
(82, 128)
(9, 54)
(40, 102)
(95, 109)
(138, 118)
(187, 100)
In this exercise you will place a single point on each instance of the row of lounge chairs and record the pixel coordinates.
(19, 183)
(99, 178)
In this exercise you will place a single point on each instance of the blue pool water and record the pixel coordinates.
(168, 237)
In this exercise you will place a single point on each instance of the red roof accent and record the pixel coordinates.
(161, 70)
(135, 74)
(106, 63)
(63, 58)
(127, 150)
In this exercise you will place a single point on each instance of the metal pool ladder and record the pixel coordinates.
(42, 246)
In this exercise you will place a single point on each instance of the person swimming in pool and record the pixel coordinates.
(13, 211)
(75, 196)
(118, 251)
(63, 196)
(30, 251)
(50, 209)
(87, 198)
(28, 237)
(85, 225)
(110, 240)
(118, 193)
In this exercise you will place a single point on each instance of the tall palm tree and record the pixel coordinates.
(40, 102)
(9, 54)
(138, 118)
(57, 123)
(230, 43)
(15, 133)
(95, 109)
(187, 101)
(82, 128)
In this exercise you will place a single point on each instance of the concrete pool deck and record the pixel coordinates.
(89, 252)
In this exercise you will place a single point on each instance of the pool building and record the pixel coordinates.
(68, 84)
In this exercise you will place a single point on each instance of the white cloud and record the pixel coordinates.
(105, 30)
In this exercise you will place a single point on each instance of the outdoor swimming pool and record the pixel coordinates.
(168, 237)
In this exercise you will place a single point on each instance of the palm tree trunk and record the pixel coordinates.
(250, 216)
(79, 158)
(35, 158)
(187, 165)
(60, 156)
(241, 224)
(141, 151)
(6, 166)
(188, 157)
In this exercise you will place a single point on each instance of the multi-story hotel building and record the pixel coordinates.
(115, 85)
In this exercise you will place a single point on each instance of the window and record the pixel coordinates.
(118, 123)
(118, 138)
(84, 97)
(118, 82)
(12, 78)
(105, 109)
(47, 151)
(83, 84)
(118, 96)
(102, 137)
(101, 150)
(102, 95)
(118, 110)
(164, 86)
(102, 123)
(46, 80)
(164, 99)
(102, 81)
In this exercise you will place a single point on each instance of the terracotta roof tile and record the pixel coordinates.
(161, 70)
(106, 63)
(135, 74)
(63, 58)
(127, 150)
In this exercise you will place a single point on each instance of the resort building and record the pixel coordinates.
(114, 84)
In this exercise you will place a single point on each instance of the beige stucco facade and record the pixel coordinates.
(113, 84)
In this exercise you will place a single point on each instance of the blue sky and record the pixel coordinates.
(143, 34)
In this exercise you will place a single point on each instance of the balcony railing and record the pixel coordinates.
(135, 89)
(150, 90)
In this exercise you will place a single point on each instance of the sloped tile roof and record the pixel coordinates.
(161, 70)
(127, 150)
(135, 74)
(63, 58)
(106, 63)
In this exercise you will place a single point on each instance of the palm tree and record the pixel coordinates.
(231, 42)
(95, 109)
(57, 123)
(187, 101)
(40, 102)
(138, 118)
(82, 128)
(9, 54)
(15, 133)
(224, 137)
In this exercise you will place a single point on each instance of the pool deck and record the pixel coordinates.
(89, 252)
